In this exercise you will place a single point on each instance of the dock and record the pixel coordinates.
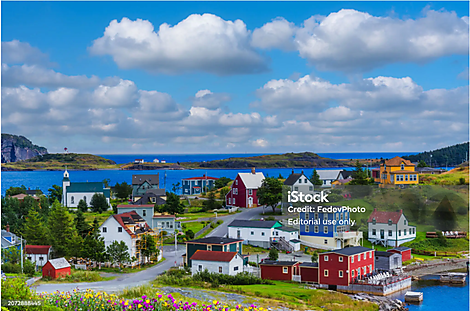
(453, 277)
(413, 296)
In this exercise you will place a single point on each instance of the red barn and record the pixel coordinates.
(244, 188)
(309, 272)
(279, 270)
(56, 268)
(405, 252)
(342, 266)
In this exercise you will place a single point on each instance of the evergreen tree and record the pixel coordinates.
(222, 193)
(35, 232)
(80, 224)
(98, 203)
(315, 256)
(360, 176)
(61, 229)
(221, 182)
(55, 193)
(11, 214)
(75, 245)
(273, 254)
(123, 190)
(15, 190)
(82, 206)
(173, 204)
(210, 203)
(44, 207)
(93, 244)
(315, 178)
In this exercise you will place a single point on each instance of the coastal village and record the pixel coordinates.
(241, 227)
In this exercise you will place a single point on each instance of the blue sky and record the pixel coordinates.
(347, 80)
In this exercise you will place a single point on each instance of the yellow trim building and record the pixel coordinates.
(396, 171)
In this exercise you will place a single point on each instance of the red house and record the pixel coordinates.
(342, 266)
(279, 270)
(309, 272)
(56, 268)
(243, 190)
(405, 252)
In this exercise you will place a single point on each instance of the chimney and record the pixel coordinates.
(7, 227)
(375, 209)
(401, 211)
(203, 175)
(292, 171)
(302, 172)
(253, 171)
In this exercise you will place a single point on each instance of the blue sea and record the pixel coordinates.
(43, 180)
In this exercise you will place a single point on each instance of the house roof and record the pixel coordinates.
(150, 194)
(290, 181)
(349, 251)
(59, 263)
(400, 249)
(295, 241)
(255, 223)
(328, 174)
(429, 169)
(288, 229)
(309, 264)
(153, 179)
(278, 263)
(396, 161)
(135, 205)
(202, 177)
(21, 196)
(383, 254)
(131, 218)
(33, 192)
(346, 174)
(251, 181)
(215, 240)
(37, 249)
(213, 256)
(383, 217)
(85, 187)
(343, 181)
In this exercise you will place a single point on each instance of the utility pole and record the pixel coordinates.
(21, 247)
(176, 233)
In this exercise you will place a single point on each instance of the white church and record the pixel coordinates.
(73, 192)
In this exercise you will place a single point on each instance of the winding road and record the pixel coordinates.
(143, 277)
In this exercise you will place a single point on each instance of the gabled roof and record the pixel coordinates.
(383, 217)
(290, 181)
(22, 196)
(33, 192)
(153, 179)
(215, 240)
(251, 181)
(202, 177)
(400, 249)
(383, 254)
(85, 187)
(349, 251)
(267, 224)
(288, 229)
(37, 249)
(396, 161)
(131, 218)
(309, 264)
(278, 263)
(328, 174)
(213, 256)
(345, 174)
(59, 263)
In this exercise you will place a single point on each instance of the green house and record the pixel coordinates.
(212, 244)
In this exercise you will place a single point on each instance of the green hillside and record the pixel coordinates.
(448, 156)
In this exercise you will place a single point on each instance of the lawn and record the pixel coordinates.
(194, 226)
(196, 216)
(253, 250)
(78, 276)
(127, 269)
(90, 216)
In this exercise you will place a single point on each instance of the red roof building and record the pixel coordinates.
(389, 228)
(197, 185)
(56, 268)
(38, 254)
(230, 263)
(280, 270)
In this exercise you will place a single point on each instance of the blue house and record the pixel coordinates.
(328, 227)
(10, 239)
(197, 185)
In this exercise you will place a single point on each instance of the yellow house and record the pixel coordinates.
(396, 171)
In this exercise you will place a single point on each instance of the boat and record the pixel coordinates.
(413, 296)
(453, 277)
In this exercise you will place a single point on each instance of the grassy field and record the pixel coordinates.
(194, 226)
(195, 216)
(58, 161)
(90, 216)
(127, 270)
(451, 177)
(78, 276)
(253, 250)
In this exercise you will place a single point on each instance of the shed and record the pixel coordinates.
(387, 261)
(230, 263)
(405, 252)
(279, 270)
(56, 268)
(309, 272)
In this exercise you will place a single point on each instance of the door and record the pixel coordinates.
(382, 234)
(238, 234)
(250, 202)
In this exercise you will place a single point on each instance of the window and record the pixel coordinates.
(306, 216)
(399, 232)
(325, 273)
(144, 213)
(370, 254)
(316, 229)
(220, 269)
(374, 232)
(358, 258)
(262, 233)
(300, 180)
(358, 271)
(402, 166)
(235, 268)
(285, 270)
(326, 241)
(40, 258)
(296, 188)
(340, 258)
(307, 228)
(277, 233)
(316, 216)
(389, 222)
(370, 268)
(29, 258)
(209, 247)
(105, 229)
(199, 267)
(236, 182)
(324, 182)
(352, 273)
(72, 200)
(337, 216)
(325, 258)
(389, 232)
(325, 229)
(250, 192)
(404, 221)
(341, 216)
(340, 273)
(352, 259)
(233, 201)
(119, 229)
(404, 232)
(252, 233)
(235, 190)
(229, 201)
(365, 256)
(325, 216)
(305, 180)
(310, 188)
(373, 221)
(406, 177)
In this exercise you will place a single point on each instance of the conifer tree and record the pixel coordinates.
(61, 229)
(35, 232)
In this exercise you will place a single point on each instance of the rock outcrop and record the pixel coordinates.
(19, 148)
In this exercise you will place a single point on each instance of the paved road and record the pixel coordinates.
(246, 214)
(124, 280)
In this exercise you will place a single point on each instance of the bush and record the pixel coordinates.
(29, 268)
(243, 278)
(219, 222)
(16, 289)
(461, 181)
(273, 254)
(190, 234)
(8, 267)
(269, 218)
(463, 210)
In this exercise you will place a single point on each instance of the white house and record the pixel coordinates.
(299, 182)
(265, 234)
(128, 227)
(328, 176)
(73, 192)
(38, 254)
(166, 223)
(390, 228)
(230, 263)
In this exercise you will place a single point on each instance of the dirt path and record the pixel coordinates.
(435, 267)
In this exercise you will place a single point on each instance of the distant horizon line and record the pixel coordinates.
(253, 153)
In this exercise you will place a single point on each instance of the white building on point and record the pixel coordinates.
(73, 192)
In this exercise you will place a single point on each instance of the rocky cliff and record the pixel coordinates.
(19, 148)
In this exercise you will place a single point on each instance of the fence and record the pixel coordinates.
(436, 253)
(207, 227)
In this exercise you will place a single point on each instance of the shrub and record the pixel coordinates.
(190, 234)
(29, 268)
(8, 267)
(269, 218)
(273, 254)
(461, 181)
(463, 210)
(243, 278)
(219, 222)
(16, 289)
